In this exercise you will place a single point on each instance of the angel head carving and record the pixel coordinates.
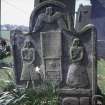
(49, 11)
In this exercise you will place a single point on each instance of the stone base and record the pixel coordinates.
(74, 92)
(76, 101)
(75, 96)
(70, 101)
(85, 101)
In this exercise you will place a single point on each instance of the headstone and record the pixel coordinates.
(81, 80)
(62, 54)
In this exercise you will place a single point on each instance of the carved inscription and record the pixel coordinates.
(51, 48)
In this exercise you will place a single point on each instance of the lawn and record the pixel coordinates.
(5, 34)
(6, 73)
(101, 75)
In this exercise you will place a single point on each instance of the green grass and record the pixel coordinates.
(6, 76)
(5, 35)
(101, 75)
(7, 60)
(6, 73)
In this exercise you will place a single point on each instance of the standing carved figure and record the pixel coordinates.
(28, 72)
(77, 76)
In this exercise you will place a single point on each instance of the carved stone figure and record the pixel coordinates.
(28, 71)
(49, 17)
(77, 76)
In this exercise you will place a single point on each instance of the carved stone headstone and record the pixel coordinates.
(64, 55)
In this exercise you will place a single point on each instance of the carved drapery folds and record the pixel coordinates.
(77, 76)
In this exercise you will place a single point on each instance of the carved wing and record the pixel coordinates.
(88, 39)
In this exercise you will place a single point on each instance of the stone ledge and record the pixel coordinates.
(74, 92)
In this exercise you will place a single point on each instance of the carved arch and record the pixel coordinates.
(41, 6)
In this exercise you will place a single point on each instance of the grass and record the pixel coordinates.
(39, 96)
(6, 76)
(7, 60)
(5, 34)
(6, 73)
(101, 75)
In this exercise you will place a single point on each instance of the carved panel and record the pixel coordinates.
(53, 69)
(51, 44)
(70, 101)
(51, 54)
(84, 101)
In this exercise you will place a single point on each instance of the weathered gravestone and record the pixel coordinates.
(63, 55)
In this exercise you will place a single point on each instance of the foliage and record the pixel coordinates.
(42, 95)
(6, 79)
(4, 54)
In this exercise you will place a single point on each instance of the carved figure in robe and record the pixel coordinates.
(77, 76)
(29, 73)
(49, 17)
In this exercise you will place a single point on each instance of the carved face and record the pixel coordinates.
(28, 44)
(49, 11)
(76, 42)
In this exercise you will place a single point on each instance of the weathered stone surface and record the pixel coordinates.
(70, 101)
(74, 92)
(77, 75)
(58, 51)
(29, 73)
(51, 53)
(98, 100)
(28, 58)
(58, 7)
(49, 17)
(85, 101)
(17, 42)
